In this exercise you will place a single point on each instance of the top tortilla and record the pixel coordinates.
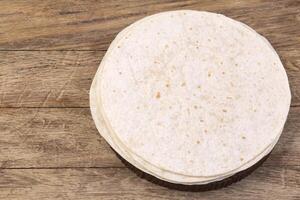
(194, 93)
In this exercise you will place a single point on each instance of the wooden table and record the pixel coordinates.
(49, 146)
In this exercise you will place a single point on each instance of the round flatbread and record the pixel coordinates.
(194, 94)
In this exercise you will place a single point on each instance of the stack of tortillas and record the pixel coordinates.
(190, 97)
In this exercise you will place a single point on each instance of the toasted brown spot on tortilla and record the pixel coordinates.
(195, 106)
(205, 131)
(167, 85)
(120, 73)
(201, 120)
(241, 159)
(224, 110)
(243, 137)
(223, 73)
(119, 46)
(183, 84)
(209, 74)
(198, 142)
(158, 95)
(191, 28)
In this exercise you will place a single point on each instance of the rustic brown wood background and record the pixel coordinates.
(49, 53)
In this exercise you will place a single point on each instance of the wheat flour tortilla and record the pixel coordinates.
(126, 30)
(159, 173)
(210, 179)
(163, 171)
(251, 68)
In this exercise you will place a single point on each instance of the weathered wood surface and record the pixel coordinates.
(49, 53)
(52, 137)
(63, 78)
(46, 78)
(54, 24)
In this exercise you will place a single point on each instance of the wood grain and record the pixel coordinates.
(63, 78)
(55, 138)
(54, 24)
(52, 138)
(47, 79)
(269, 184)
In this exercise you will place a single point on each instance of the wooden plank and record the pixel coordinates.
(63, 78)
(78, 184)
(54, 137)
(47, 79)
(76, 24)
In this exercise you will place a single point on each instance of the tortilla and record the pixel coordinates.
(188, 93)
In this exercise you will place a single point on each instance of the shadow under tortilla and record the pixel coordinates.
(194, 188)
